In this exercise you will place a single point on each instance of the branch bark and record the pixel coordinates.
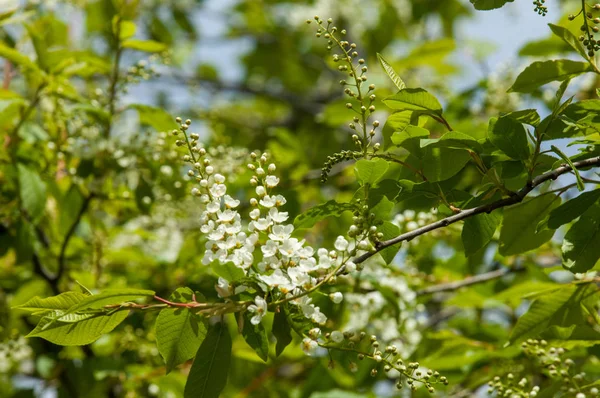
(70, 232)
(487, 208)
(451, 286)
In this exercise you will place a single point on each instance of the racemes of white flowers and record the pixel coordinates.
(262, 244)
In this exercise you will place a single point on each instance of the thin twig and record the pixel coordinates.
(451, 286)
(63, 249)
(487, 208)
(40, 270)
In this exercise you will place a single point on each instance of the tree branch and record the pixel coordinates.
(487, 208)
(451, 286)
(40, 270)
(70, 232)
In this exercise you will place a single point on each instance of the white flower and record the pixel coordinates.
(271, 181)
(318, 316)
(350, 266)
(218, 190)
(309, 346)
(289, 247)
(260, 190)
(279, 200)
(270, 248)
(281, 232)
(307, 252)
(209, 226)
(275, 279)
(341, 244)
(336, 297)
(219, 179)
(411, 226)
(227, 215)
(268, 201)
(230, 202)
(213, 207)
(278, 216)
(337, 336)
(254, 214)
(223, 288)
(262, 224)
(298, 276)
(409, 215)
(314, 333)
(259, 308)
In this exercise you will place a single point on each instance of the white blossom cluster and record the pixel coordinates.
(409, 220)
(365, 310)
(262, 244)
(16, 354)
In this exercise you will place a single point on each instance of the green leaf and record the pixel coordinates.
(32, 191)
(581, 246)
(391, 72)
(414, 99)
(228, 271)
(370, 171)
(509, 136)
(581, 117)
(452, 139)
(541, 72)
(338, 394)
(572, 209)
(208, 374)
(17, 58)
(389, 231)
(255, 336)
(557, 314)
(80, 330)
(580, 184)
(439, 164)
(398, 121)
(410, 138)
(489, 4)
(123, 28)
(109, 297)
(40, 306)
(179, 331)
(570, 39)
(282, 331)
(7, 94)
(149, 46)
(526, 116)
(518, 232)
(155, 117)
(315, 214)
(479, 230)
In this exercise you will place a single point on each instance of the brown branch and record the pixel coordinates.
(7, 74)
(451, 286)
(40, 270)
(63, 249)
(487, 208)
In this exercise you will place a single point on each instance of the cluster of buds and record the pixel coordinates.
(589, 27)
(554, 365)
(385, 358)
(336, 158)
(361, 99)
(508, 387)
(540, 8)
